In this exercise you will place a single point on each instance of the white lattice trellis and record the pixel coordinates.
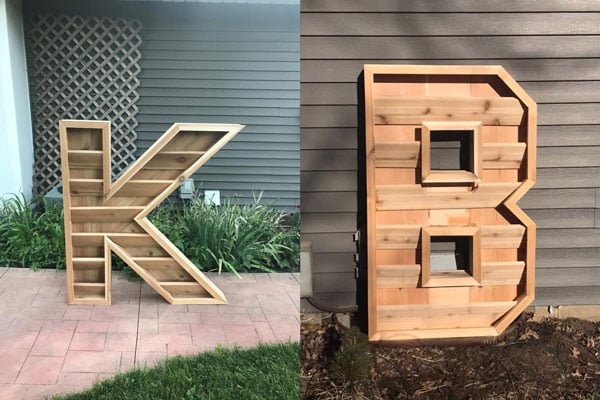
(82, 68)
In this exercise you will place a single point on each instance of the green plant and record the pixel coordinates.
(31, 233)
(352, 362)
(265, 372)
(233, 237)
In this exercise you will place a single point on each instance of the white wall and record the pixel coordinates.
(16, 143)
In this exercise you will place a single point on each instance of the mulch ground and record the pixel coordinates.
(551, 359)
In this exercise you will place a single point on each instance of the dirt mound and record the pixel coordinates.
(552, 359)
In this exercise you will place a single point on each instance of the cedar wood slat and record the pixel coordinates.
(343, 90)
(562, 218)
(551, 114)
(563, 202)
(548, 136)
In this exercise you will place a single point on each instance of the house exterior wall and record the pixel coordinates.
(16, 157)
(240, 65)
(551, 48)
(219, 63)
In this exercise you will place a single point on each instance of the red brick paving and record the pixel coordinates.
(47, 347)
(40, 370)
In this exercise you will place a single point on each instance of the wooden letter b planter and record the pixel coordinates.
(448, 152)
(102, 216)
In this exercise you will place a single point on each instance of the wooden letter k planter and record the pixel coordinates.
(102, 216)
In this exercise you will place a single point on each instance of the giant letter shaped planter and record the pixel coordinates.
(448, 150)
(102, 216)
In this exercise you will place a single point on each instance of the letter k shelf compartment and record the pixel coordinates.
(446, 153)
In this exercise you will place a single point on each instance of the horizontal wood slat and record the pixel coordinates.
(398, 276)
(87, 187)
(502, 273)
(501, 236)
(407, 236)
(406, 155)
(397, 236)
(435, 316)
(123, 239)
(502, 155)
(88, 262)
(433, 334)
(412, 110)
(399, 155)
(104, 214)
(415, 197)
(144, 188)
(178, 160)
(85, 159)
(450, 279)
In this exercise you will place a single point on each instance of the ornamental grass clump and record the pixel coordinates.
(31, 233)
(231, 237)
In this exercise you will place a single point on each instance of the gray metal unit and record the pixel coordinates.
(550, 47)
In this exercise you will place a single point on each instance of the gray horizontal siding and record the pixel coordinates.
(228, 71)
(575, 295)
(457, 48)
(552, 48)
(435, 6)
(439, 24)
(219, 63)
(534, 70)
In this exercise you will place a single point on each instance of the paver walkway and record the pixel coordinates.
(48, 347)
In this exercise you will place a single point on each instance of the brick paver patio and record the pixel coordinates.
(48, 347)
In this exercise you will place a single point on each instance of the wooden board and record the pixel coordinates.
(417, 197)
(438, 316)
(102, 216)
(415, 110)
(415, 115)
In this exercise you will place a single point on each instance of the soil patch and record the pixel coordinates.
(551, 359)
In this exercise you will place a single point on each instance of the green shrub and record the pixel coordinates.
(352, 363)
(233, 237)
(31, 235)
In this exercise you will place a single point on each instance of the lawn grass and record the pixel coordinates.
(265, 372)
